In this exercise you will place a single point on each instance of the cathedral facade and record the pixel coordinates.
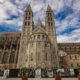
(38, 45)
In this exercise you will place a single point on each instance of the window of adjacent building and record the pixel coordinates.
(70, 57)
(75, 57)
(77, 64)
(75, 48)
(38, 43)
(12, 56)
(72, 49)
(71, 65)
(5, 58)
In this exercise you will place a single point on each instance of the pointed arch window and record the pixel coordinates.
(43, 37)
(12, 56)
(46, 56)
(38, 36)
(0, 55)
(29, 13)
(72, 65)
(29, 18)
(39, 56)
(28, 23)
(48, 23)
(51, 23)
(31, 56)
(5, 58)
(34, 37)
(25, 23)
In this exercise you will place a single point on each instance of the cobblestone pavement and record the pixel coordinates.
(39, 79)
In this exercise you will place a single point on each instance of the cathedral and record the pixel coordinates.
(36, 46)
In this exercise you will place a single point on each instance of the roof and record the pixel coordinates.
(68, 44)
(10, 34)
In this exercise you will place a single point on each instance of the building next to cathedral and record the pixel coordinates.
(36, 46)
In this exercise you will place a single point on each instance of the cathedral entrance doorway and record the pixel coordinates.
(38, 73)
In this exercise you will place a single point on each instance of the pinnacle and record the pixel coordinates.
(28, 8)
(39, 22)
(49, 8)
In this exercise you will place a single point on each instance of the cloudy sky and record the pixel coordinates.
(66, 14)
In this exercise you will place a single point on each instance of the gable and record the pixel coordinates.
(39, 30)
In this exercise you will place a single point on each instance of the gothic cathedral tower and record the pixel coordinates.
(51, 32)
(38, 45)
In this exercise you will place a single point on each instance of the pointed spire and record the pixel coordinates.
(49, 8)
(39, 22)
(28, 8)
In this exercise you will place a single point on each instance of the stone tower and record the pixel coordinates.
(51, 32)
(38, 45)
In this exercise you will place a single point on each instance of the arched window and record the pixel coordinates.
(72, 65)
(5, 58)
(11, 59)
(46, 56)
(43, 37)
(29, 18)
(34, 37)
(31, 56)
(0, 56)
(38, 56)
(28, 23)
(38, 36)
(29, 13)
(51, 23)
(48, 23)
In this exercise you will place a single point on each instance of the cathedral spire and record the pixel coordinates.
(39, 22)
(29, 8)
(49, 8)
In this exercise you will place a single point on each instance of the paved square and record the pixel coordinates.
(39, 79)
